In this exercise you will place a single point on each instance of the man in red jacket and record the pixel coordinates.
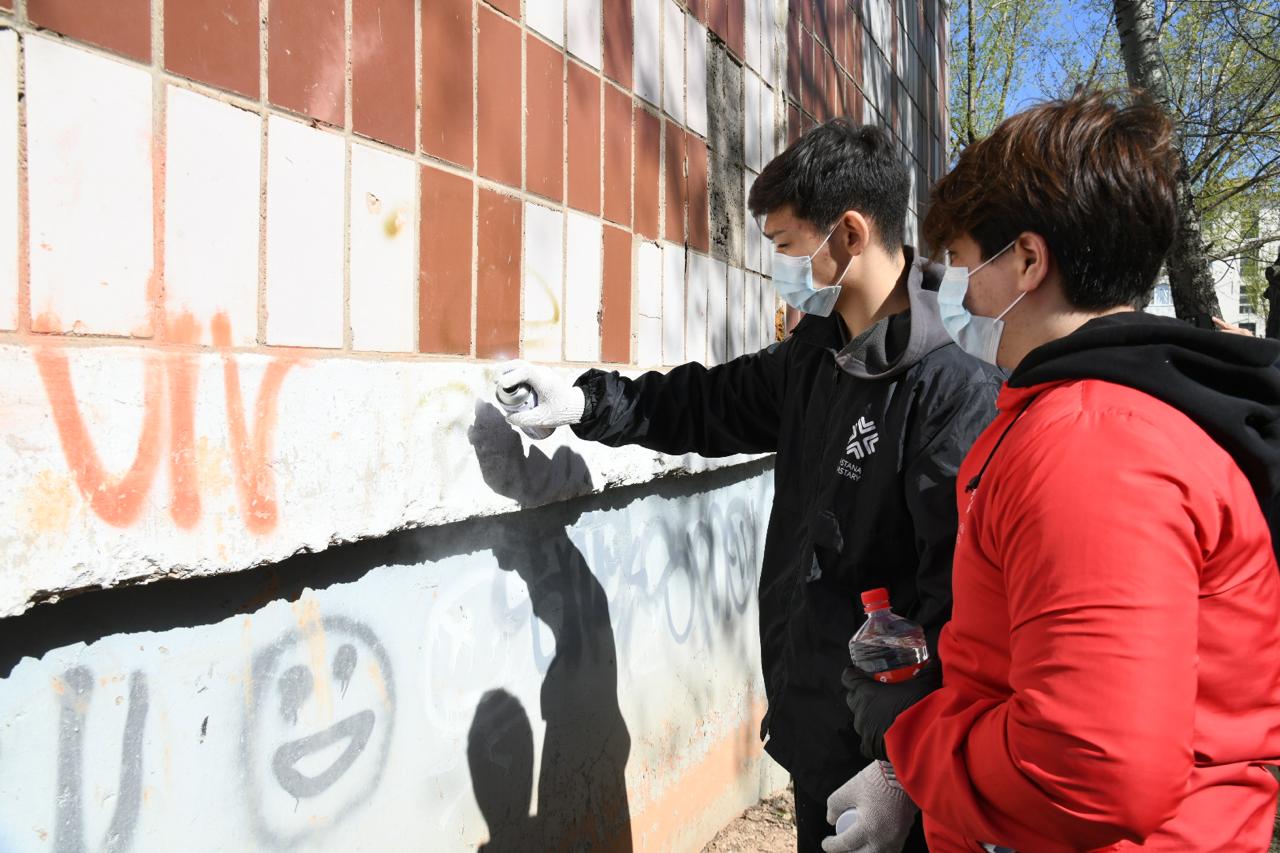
(1111, 671)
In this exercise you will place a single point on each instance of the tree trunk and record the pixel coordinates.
(1188, 261)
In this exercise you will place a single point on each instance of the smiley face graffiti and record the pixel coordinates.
(317, 728)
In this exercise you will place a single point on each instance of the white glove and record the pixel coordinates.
(559, 401)
(885, 814)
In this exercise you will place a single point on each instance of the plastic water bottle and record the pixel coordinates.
(889, 649)
(519, 398)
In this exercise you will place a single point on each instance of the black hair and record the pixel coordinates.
(835, 167)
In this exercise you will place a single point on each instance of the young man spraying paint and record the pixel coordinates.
(1112, 669)
(869, 407)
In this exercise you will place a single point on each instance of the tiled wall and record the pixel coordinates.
(559, 179)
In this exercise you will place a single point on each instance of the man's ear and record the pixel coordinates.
(1034, 261)
(855, 235)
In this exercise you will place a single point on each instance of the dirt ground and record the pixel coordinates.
(768, 827)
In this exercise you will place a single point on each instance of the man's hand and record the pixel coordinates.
(884, 811)
(875, 706)
(559, 402)
(1230, 328)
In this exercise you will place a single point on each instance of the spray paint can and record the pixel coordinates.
(519, 398)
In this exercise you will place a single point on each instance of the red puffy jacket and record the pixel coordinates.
(1112, 666)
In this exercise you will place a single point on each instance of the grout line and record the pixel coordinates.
(417, 179)
(264, 20)
(159, 157)
(348, 88)
(474, 174)
(24, 194)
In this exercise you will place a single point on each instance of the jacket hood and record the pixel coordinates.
(1228, 384)
(895, 344)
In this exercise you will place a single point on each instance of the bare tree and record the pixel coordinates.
(1188, 261)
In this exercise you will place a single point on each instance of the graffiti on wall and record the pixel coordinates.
(172, 377)
(75, 692)
(317, 728)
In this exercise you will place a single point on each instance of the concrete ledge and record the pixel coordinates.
(129, 464)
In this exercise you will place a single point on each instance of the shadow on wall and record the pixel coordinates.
(582, 790)
(582, 798)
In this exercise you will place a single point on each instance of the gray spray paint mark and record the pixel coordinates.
(294, 690)
(69, 815)
(344, 666)
(355, 729)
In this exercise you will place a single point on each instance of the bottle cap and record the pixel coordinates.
(875, 599)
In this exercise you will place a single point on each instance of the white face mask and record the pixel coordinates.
(793, 279)
(976, 335)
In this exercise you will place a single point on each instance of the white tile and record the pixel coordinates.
(212, 184)
(751, 123)
(751, 33)
(542, 327)
(546, 17)
(696, 75)
(584, 31)
(768, 312)
(383, 226)
(769, 31)
(717, 314)
(584, 274)
(673, 62)
(674, 350)
(698, 270)
(304, 235)
(752, 230)
(736, 316)
(648, 304)
(752, 339)
(768, 126)
(9, 180)
(90, 192)
(648, 50)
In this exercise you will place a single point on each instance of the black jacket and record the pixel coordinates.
(1228, 384)
(869, 434)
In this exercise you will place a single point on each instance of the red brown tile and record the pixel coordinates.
(499, 249)
(718, 17)
(446, 80)
(544, 119)
(735, 18)
(510, 7)
(383, 88)
(444, 277)
(122, 25)
(675, 183)
(615, 308)
(584, 138)
(619, 41)
(698, 8)
(307, 58)
(648, 147)
(213, 41)
(617, 156)
(699, 207)
(498, 99)
(793, 123)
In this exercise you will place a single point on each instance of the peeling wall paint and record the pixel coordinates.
(579, 676)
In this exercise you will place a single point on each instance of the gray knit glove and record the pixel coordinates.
(885, 814)
(560, 402)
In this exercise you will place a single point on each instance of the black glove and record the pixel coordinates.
(875, 706)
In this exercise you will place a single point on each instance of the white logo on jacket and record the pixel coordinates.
(863, 439)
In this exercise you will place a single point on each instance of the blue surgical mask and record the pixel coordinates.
(793, 279)
(978, 336)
